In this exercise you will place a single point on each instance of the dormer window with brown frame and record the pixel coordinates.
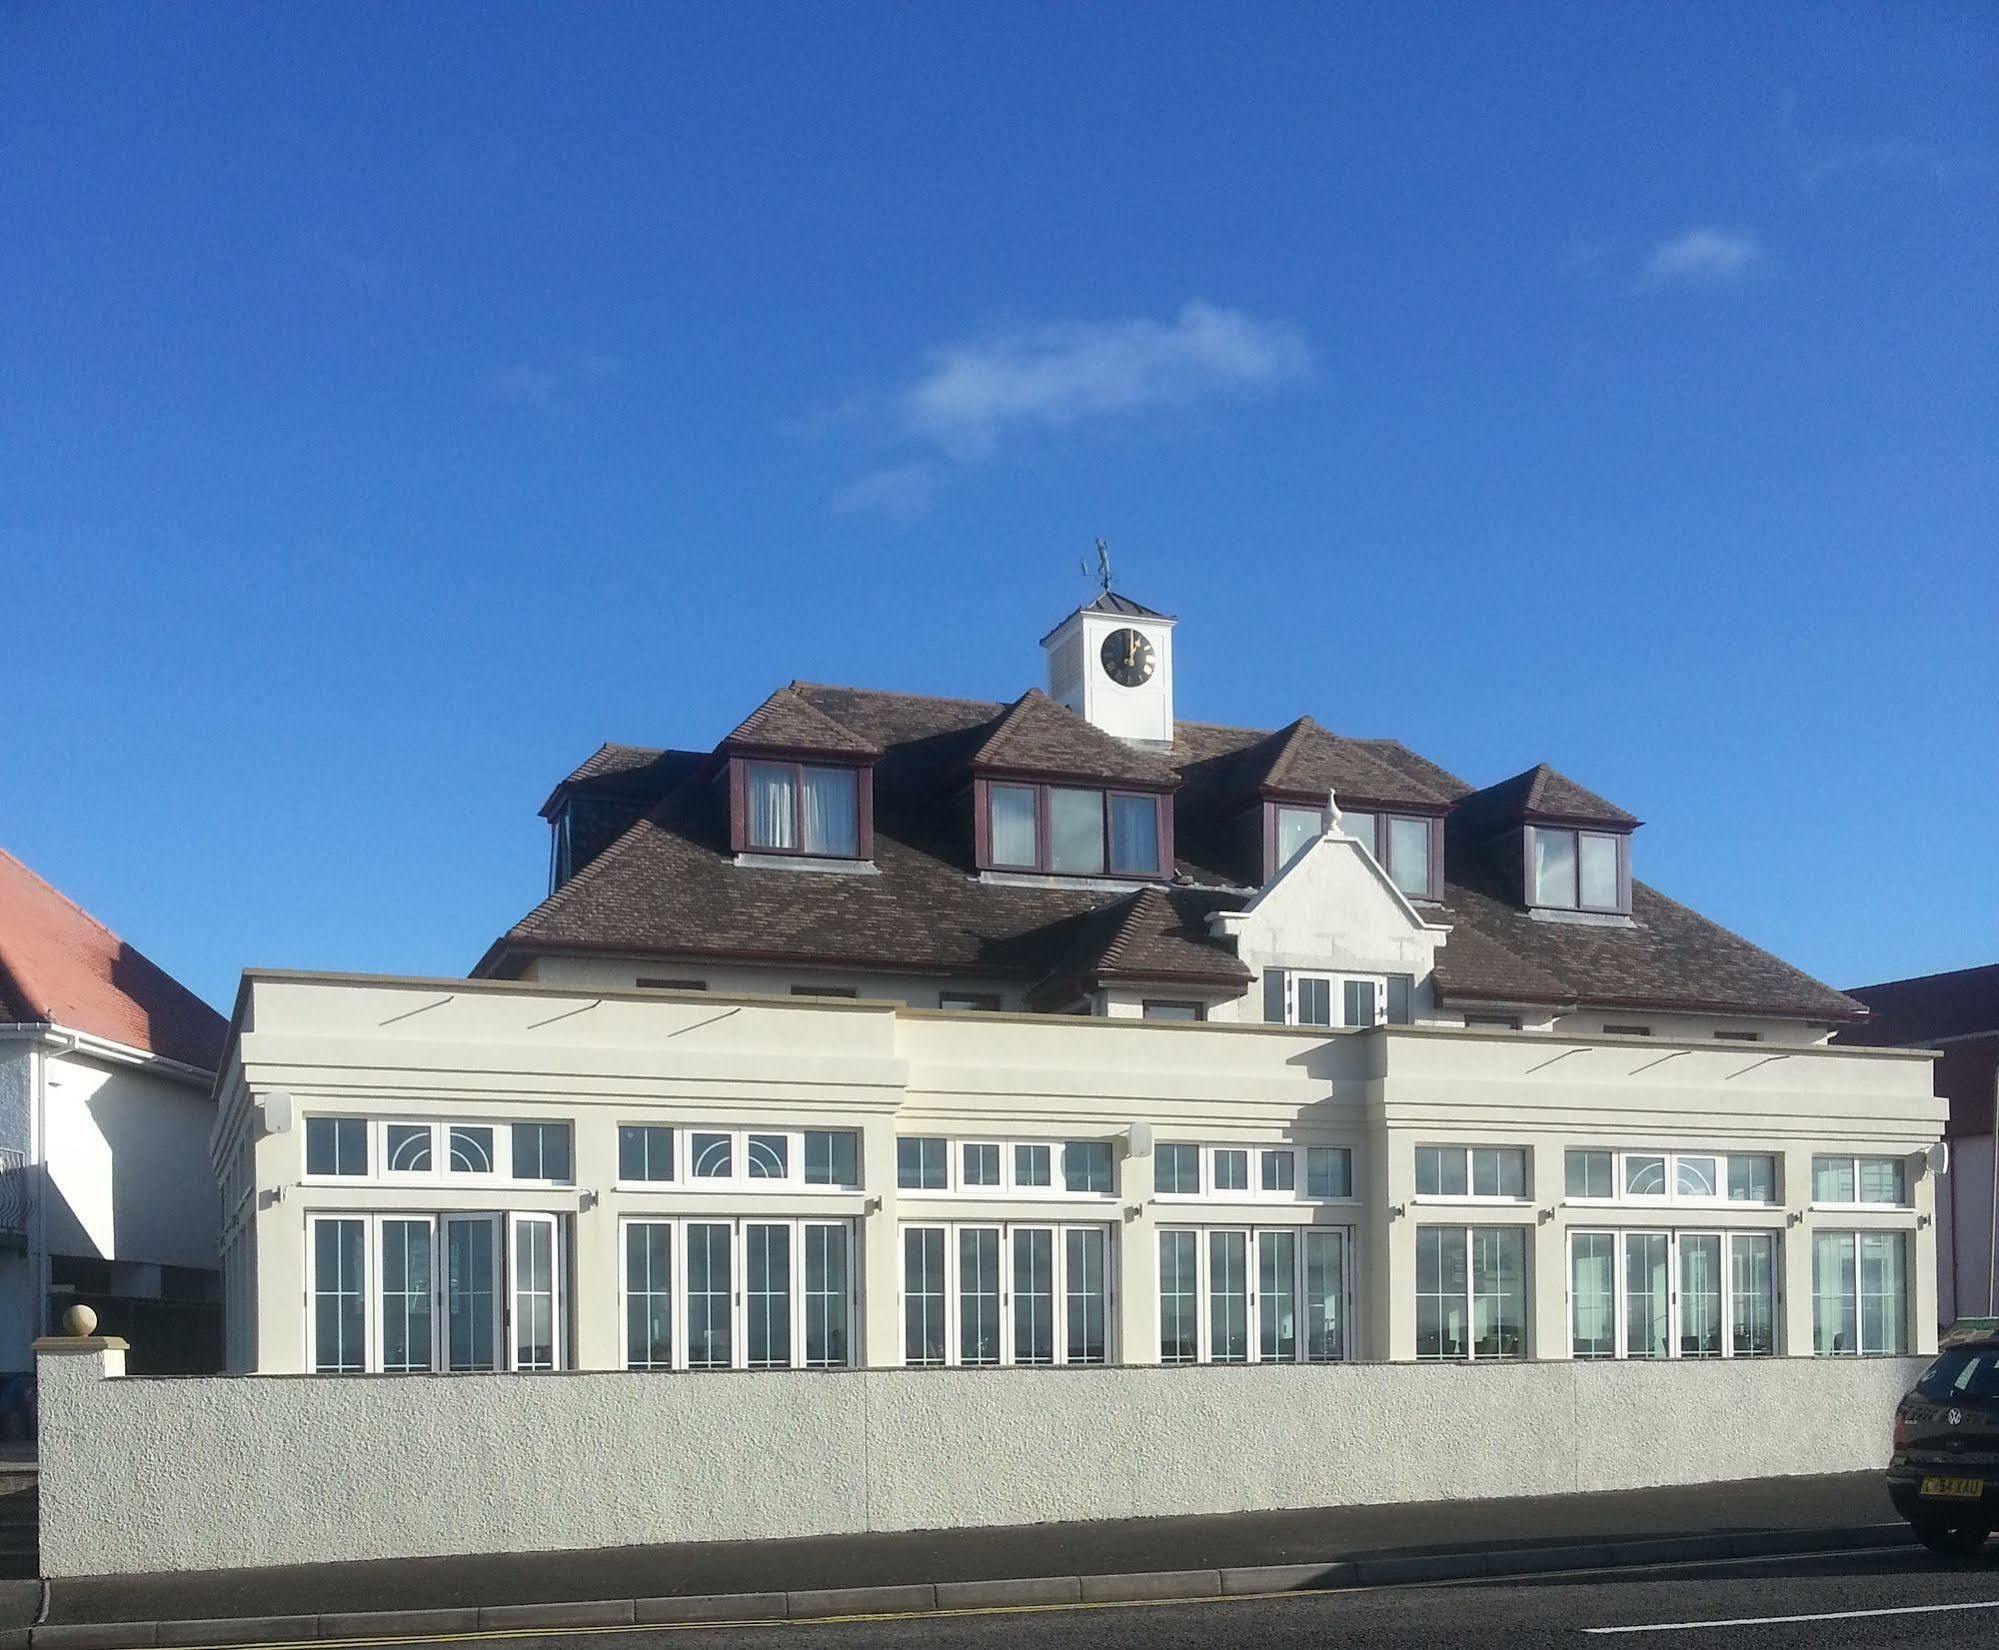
(1409, 847)
(810, 809)
(1073, 830)
(1571, 869)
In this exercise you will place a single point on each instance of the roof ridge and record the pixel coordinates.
(899, 693)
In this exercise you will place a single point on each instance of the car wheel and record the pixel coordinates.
(1950, 1540)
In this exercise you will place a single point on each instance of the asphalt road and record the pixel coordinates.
(1897, 1596)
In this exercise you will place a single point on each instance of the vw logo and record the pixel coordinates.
(1955, 1417)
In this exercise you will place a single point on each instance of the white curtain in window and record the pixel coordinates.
(1598, 869)
(772, 806)
(1409, 855)
(832, 812)
(1013, 835)
(1134, 834)
(1295, 828)
(1554, 867)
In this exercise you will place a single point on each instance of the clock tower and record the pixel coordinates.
(1112, 663)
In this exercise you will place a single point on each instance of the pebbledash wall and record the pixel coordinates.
(291, 1470)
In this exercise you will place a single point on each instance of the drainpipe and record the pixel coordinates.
(38, 1156)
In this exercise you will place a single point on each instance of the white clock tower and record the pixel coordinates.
(1112, 662)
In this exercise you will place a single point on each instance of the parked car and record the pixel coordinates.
(1944, 1475)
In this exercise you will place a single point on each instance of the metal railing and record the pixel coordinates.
(17, 1190)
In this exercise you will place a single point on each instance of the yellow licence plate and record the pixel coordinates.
(1954, 1489)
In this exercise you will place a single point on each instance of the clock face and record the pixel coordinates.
(1128, 658)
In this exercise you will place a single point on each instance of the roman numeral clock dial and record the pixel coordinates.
(1127, 657)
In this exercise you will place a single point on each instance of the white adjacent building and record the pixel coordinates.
(910, 1031)
(106, 1068)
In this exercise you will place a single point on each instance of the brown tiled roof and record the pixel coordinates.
(1542, 793)
(1036, 735)
(1929, 1008)
(788, 721)
(61, 966)
(668, 884)
(630, 772)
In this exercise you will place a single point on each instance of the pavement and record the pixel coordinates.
(1351, 1547)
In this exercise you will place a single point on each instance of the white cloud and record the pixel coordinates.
(903, 492)
(1054, 376)
(972, 396)
(1702, 257)
(543, 383)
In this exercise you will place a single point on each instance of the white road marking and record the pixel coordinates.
(1776, 1621)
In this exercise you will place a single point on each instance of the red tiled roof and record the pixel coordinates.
(61, 966)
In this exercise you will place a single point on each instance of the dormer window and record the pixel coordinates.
(802, 808)
(1576, 870)
(1071, 830)
(1291, 828)
(1406, 846)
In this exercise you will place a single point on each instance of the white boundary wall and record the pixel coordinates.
(201, 1473)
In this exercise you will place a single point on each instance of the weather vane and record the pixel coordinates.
(1103, 566)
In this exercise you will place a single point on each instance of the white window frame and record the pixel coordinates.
(440, 1172)
(1468, 1196)
(1620, 1280)
(1901, 1235)
(1854, 1160)
(953, 1294)
(739, 1178)
(517, 1220)
(1010, 1187)
(1672, 1196)
(1336, 997)
(1254, 1192)
(1204, 1236)
(504, 1224)
(739, 1340)
(1526, 1354)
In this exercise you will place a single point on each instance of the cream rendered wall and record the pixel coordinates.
(543, 1463)
(128, 1175)
(504, 1052)
(624, 973)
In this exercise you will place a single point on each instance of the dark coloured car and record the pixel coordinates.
(1944, 1477)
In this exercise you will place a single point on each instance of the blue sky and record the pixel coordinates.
(397, 402)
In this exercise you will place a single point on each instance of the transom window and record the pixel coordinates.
(1400, 844)
(412, 1293)
(796, 808)
(1068, 830)
(1672, 1294)
(1574, 870)
(527, 1153)
(1471, 1292)
(738, 1294)
(1235, 1174)
(1605, 1176)
(717, 1158)
(1006, 1294)
(1005, 1168)
(1860, 1294)
(1272, 1294)
(1874, 1181)
(1496, 1173)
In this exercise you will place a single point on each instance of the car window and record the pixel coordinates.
(1962, 1372)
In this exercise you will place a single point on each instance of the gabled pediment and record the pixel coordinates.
(1333, 906)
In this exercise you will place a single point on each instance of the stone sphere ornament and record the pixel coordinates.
(80, 1321)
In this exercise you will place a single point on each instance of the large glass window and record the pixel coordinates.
(645, 1152)
(793, 808)
(1860, 1303)
(1068, 830)
(541, 1151)
(994, 1168)
(1409, 856)
(1005, 1294)
(1015, 835)
(402, 1293)
(1471, 1292)
(753, 1294)
(921, 1164)
(648, 1294)
(1176, 1169)
(767, 1295)
(1282, 1174)
(1575, 869)
(710, 1315)
(1086, 1165)
(1672, 1294)
(1253, 1294)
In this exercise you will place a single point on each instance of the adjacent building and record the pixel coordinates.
(1956, 1014)
(106, 1068)
(896, 1030)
